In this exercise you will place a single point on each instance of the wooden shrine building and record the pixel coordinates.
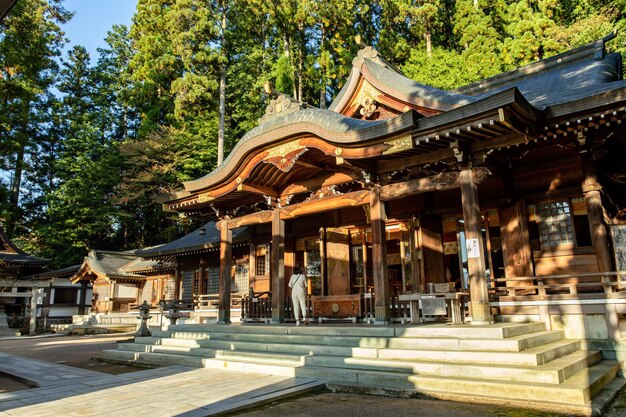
(398, 185)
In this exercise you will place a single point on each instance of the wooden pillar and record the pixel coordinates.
(416, 276)
(595, 213)
(226, 256)
(252, 267)
(382, 313)
(83, 297)
(516, 244)
(278, 268)
(34, 295)
(479, 296)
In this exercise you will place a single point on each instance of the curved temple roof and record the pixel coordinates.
(564, 85)
(327, 124)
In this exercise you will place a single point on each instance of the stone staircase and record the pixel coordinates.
(510, 363)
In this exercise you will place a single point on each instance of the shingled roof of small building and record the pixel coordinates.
(201, 239)
(116, 265)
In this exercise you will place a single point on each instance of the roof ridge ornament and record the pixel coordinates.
(280, 105)
(371, 53)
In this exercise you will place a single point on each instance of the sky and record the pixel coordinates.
(93, 19)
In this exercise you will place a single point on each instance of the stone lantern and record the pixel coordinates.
(144, 316)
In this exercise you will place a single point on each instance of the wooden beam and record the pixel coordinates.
(251, 219)
(443, 181)
(355, 198)
(498, 142)
(313, 184)
(386, 166)
(257, 189)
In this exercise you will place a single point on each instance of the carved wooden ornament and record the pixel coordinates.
(285, 156)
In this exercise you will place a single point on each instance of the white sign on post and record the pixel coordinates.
(473, 249)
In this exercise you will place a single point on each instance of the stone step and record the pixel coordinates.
(342, 346)
(512, 344)
(468, 331)
(232, 355)
(554, 372)
(495, 331)
(534, 356)
(578, 390)
(199, 331)
(240, 364)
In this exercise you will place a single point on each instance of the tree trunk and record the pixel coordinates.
(222, 109)
(429, 43)
(14, 196)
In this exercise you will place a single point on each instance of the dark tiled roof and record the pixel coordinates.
(21, 259)
(193, 241)
(568, 82)
(57, 273)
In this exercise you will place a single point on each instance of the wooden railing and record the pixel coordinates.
(572, 284)
(258, 307)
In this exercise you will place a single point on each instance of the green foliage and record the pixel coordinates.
(87, 163)
(441, 70)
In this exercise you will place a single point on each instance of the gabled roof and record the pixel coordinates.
(112, 265)
(203, 238)
(370, 68)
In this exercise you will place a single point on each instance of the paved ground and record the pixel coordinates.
(79, 390)
(171, 391)
(69, 350)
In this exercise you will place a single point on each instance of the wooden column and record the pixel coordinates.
(382, 314)
(416, 270)
(252, 267)
(595, 213)
(278, 268)
(83, 297)
(226, 260)
(479, 296)
(516, 243)
(34, 295)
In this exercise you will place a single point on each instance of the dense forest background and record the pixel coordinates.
(87, 143)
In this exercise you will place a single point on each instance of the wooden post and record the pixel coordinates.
(34, 295)
(252, 266)
(416, 277)
(595, 213)
(278, 268)
(382, 313)
(226, 255)
(83, 297)
(516, 244)
(479, 296)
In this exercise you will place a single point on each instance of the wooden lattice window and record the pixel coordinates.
(555, 224)
(214, 280)
(187, 295)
